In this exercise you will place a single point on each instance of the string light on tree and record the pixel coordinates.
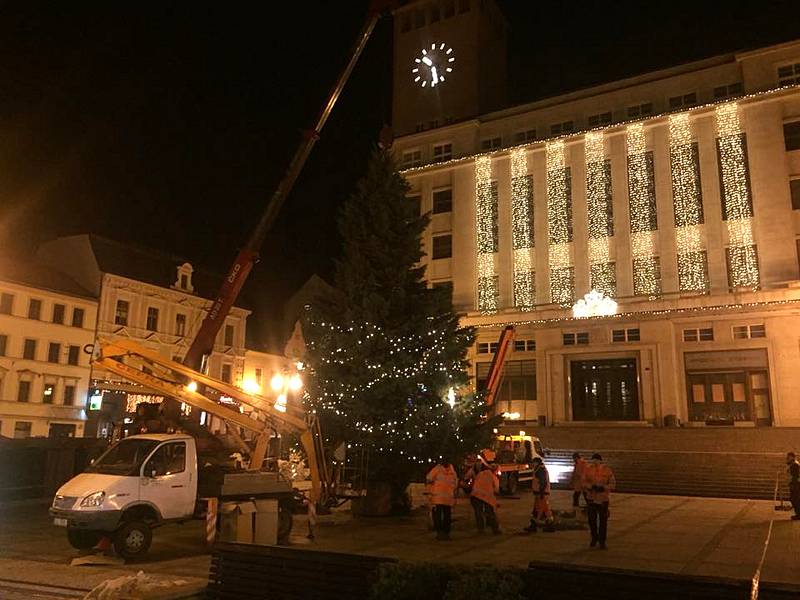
(522, 230)
(598, 205)
(687, 205)
(641, 197)
(559, 224)
(742, 258)
(486, 224)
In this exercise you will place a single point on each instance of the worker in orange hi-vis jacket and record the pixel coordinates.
(483, 497)
(442, 481)
(599, 482)
(541, 498)
(578, 472)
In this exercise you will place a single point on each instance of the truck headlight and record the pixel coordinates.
(95, 499)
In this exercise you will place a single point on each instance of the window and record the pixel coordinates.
(58, 313)
(410, 159)
(789, 74)
(646, 188)
(487, 347)
(22, 430)
(35, 309)
(447, 289)
(686, 100)
(184, 281)
(121, 312)
(77, 317)
(518, 381)
(794, 190)
(562, 285)
(625, 335)
(416, 202)
(739, 261)
(442, 152)
(524, 345)
(746, 332)
(180, 324)
(491, 144)
(48, 392)
(559, 128)
(489, 293)
(24, 391)
(226, 373)
(6, 303)
(29, 349)
(229, 335)
(259, 373)
(442, 246)
(522, 137)
(53, 352)
(728, 91)
(640, 110)
(791, 138)
(169, 459)
(647, 276)
(73, 354)
(571, 339)
(600, 119)
(69, 395)
(442, 201)
(152, 319)
(729, 212)
(3, 343)
(693, 271)
(703, 334)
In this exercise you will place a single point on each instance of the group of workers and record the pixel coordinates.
(593, 480)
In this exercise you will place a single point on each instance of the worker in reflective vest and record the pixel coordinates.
(794, 483)
(541, 498)
(578, 471)
(598, 483)
(442, 482)
(485, 486)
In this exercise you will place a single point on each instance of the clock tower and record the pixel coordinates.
(449, 62)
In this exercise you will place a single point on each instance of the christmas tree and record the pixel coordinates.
(386, 356)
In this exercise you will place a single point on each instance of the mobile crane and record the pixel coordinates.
(129, 523)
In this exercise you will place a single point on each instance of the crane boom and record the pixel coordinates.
(203, 343)
(495, 376)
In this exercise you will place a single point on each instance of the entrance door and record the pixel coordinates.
(605, 390)
(723, 398)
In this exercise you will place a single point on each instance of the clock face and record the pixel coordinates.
(433, 65)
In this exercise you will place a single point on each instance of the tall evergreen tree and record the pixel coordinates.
(385, 351)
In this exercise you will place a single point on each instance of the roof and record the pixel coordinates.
(150, 266)
(37, 275)
(159, 437)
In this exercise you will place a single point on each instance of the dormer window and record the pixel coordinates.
(184, 278)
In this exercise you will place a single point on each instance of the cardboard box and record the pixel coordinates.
(236, 522)
(266, 522)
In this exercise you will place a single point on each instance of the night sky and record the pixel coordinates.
(170, 127)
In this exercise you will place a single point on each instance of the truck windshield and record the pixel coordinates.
(124, 458)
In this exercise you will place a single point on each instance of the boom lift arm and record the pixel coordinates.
(495, 377)
(203, 343)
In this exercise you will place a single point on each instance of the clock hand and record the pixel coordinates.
(427, 61)
(435, 76)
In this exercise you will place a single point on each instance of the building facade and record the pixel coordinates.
(46, 320)
(676, 194)
(154, 299)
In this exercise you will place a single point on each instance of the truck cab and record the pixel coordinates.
(138, 483)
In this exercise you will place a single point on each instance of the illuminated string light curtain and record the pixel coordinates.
(486, 225)
(644, 222)
(687, 200)
(602, 272)
(522, 230)
(737, 206)
(559, 225)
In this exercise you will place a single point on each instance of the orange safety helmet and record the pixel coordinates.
(488, 454)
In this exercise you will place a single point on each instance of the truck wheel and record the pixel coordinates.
(284, 523)
(133, 539)
(83, 539)
(511, 484)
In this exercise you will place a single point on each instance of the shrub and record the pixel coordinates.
(478, 583)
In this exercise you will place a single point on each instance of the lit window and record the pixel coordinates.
(48, 392)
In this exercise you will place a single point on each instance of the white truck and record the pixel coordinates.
(145, 481)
